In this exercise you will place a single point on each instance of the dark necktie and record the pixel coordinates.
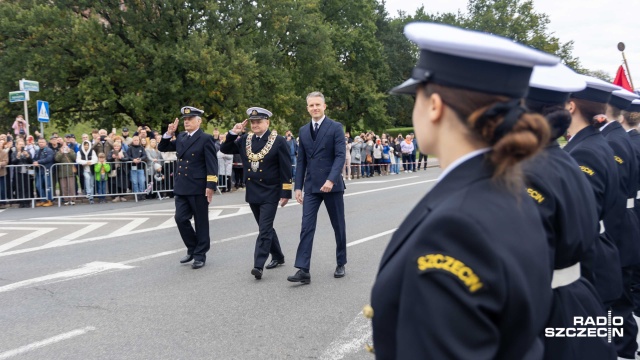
(315, 129)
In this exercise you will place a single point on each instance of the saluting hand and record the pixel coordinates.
(173, 127)
(239, 127)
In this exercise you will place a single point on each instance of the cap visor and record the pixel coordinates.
(188, 116)
(409, 87)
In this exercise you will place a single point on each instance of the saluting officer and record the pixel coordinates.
(195, 181)
(568, 210)
(267, 169)
(467, 274)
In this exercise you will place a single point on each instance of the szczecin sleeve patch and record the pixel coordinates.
(287, 186)
(536, 195)
(587, 170)
(212, 178)
(457, 268)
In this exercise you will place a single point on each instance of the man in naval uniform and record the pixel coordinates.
(267, 170)
(195, 181)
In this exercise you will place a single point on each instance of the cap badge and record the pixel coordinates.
(187, 111)
(254, 113)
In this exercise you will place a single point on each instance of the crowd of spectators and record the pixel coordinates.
(107, 164)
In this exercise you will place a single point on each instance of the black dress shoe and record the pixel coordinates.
(186, 259)
(301, 277)
(197, 264)
(274, 263)
(339, 271)
(257, 273)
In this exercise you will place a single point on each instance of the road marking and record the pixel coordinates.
(350, 341)
(43, 343)
(83, 271)
(380, 181)
(170, 223)
(371, 237)
(134, 223)
(24, 239)
(389, 187)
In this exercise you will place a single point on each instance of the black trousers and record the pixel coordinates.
(196, 240)
(267, 241)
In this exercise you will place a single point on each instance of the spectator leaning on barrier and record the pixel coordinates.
(154, 162)
(101, 171)
(138, 155)
(87, 158)
(356, 157)
(43, 160)
(119, 174)
(4, 161)
(66, 173)
(22, 182)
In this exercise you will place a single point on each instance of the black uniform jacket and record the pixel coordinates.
(627, 231)
(568, 210)
(566, 204)
(466, 275)
(596, 160)
(272, 180)
(197, 165)
(634, 135)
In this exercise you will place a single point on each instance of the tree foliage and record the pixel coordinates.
(115, 62)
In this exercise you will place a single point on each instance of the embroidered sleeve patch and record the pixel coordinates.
(212, 178)
(587, 170)
(537, 196)
(451, 265)
(287, 186)
(618, 159)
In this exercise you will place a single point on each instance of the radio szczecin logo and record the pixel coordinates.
(590, 327)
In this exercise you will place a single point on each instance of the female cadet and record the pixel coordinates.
(567, 207)
(598, 162)
(467, 274)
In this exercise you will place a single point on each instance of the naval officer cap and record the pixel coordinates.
(471, 60)
(622, 98)
(256, 113)
(597, 90)
(190, 111)
(634, 107)
(554, 84)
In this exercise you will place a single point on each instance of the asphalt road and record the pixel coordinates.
(104, 282)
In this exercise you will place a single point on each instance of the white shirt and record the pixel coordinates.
(607, 124)
(167, 136)
(461, 160)
(319, 122)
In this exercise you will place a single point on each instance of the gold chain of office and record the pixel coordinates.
(265, 150)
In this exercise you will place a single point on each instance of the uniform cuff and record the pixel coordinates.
(212, 178)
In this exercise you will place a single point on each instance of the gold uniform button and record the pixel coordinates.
(179, 174)
(367, 311)
(248, 179)
(193, 154)
(369, 348)
(260, 170)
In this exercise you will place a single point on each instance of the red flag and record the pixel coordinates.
(621, 79)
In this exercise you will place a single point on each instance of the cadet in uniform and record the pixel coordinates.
(267, 169)
(467, 274)
(598, 164)
(628, 230)
(568, 210)
(195, 181)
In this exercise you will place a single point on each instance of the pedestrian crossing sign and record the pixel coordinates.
(43, 111)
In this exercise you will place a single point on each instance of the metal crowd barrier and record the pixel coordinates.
(19, 185)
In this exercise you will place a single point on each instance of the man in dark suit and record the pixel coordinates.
(196, 179)
(321, 156)
(267, 168)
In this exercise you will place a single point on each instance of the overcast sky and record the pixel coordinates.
(595, 26)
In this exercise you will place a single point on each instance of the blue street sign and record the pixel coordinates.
(43, 111)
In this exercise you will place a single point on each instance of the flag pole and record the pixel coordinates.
(621, 47)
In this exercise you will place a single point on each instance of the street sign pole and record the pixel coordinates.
(26, 115)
